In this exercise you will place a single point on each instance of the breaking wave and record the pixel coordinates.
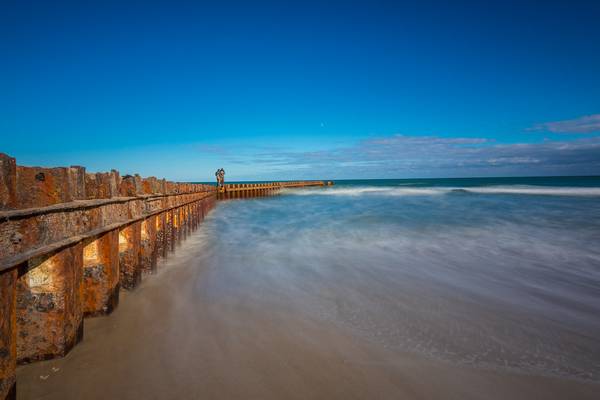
(436, 191)
(359, 191)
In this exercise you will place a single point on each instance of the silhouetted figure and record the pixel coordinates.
(220, 175)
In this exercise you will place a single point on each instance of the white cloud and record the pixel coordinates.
(422, 156)
(585, 124)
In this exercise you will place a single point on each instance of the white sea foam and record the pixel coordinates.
(373, 190)
(434, 191)
(537, 190)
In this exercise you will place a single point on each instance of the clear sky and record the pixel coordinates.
(274, 90)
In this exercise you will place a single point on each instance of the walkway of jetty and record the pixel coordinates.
(70, 241)
(242, 190)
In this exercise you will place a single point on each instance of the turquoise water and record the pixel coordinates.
(500, 273)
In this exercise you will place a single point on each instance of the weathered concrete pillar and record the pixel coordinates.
(101, 274)
(8, 334)
(148, 245)
(50, 305)
(8, 182)
(130, 256)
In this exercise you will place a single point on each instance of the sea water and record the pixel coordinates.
(497, 273)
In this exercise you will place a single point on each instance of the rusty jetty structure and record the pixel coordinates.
(243, 190)
(71, 240)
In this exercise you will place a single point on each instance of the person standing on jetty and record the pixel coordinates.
(220, 175)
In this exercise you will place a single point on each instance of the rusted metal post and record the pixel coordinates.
(50, 305)
(8, 334)
(8, 182)
(148, 244)
(161, 239)
(186, 220)
(101, 274)
(177, 225)
(130, 256)
(173, 231)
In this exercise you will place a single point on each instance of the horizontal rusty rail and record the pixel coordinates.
(20, 258)
(11, 215)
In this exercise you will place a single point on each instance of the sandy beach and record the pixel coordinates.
(185, 334)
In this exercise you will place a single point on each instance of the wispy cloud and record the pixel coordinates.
(213, 149)
(585, 124)
(421, 156)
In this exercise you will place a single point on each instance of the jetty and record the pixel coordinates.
(70, 241)
(243, 190)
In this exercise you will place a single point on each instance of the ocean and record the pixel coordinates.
(495, 273)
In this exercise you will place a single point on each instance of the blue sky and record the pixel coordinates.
(275, 90)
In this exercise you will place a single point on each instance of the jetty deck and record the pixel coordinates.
(241, 190)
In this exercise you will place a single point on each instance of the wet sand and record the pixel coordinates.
(186, 334)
